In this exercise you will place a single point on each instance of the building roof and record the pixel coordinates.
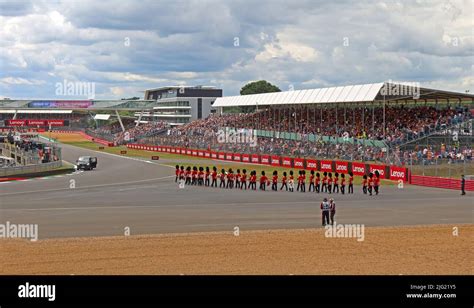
(343, 94)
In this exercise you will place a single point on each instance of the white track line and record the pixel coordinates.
(87, 187)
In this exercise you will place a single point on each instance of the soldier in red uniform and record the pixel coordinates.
(300, 176)
(291, 182)
(206, 176)
(194, 176)
(350, 189)
(317, 182)
(200, 181)
(237, 179)
(364, 184)
(311, 181)
(275, 181)
(222, 179)
(283, 182)
(181, 173)
(188, 176)
(230, 178)
(243, 179)
(370, 183)
(377, 182)
(303, 181)
(324, 186)
(214, 177)
(336, 183)
(253, 180)
(177, 173)
(263, 181)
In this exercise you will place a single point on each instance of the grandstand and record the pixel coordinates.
(360, 122)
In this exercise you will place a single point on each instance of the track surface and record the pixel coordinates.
(143, 196)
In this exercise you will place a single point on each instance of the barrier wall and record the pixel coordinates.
(387, 172)
(433, 181)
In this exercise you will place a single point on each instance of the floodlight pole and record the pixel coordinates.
(120, 120)
(384, 116)
(139, 118)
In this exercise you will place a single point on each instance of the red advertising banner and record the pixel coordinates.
(286, 162)
(228, 156)
(326, 165)
(379, 168)
(221, 155)
(255, 159)
(55, 122)
(237, 157)
(358, 168)
(298, 163)
(265, 159)
(36, 122)
(342, 167)
(207, 154)
(275, 160)
(189, 152)
(311, 164)
(398, 173)
(201, 153)
(15, 122)
(245, 158)
(214, 155)
(194, 152)
(173, 150)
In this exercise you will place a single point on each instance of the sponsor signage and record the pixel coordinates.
(397, 173)
(221, 156)
(245, 158)
(326, 165)
(255, 159)
(237, 157)
(275, 161)
(298, 163)
(155, 158)
(286, 162)
(358, 168)
(379, 168)
(311, 164)
(265, 159)
(342, 167)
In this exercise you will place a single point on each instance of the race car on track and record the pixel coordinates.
(86, 163)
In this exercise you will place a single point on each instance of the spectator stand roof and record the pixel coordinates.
(365, 93)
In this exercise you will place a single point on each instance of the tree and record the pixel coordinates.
(256, 87)
(131, 98)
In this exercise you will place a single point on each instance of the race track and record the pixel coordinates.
(143, 196)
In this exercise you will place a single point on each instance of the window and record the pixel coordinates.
(199, 108)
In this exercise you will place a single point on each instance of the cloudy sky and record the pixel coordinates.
(126, 46)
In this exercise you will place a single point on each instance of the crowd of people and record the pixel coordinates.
(402, 124)
(243, 180)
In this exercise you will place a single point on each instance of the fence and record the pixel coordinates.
(432, 181)
(30, 168)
